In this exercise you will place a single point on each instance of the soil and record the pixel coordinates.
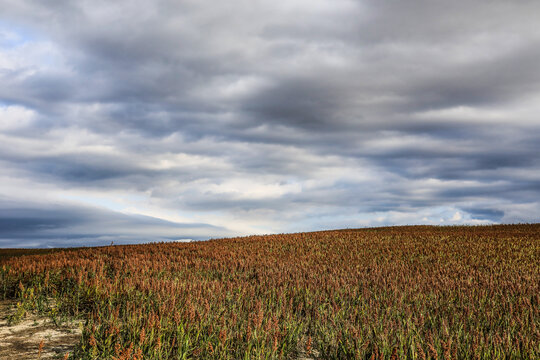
(303, 354)
(22, 339)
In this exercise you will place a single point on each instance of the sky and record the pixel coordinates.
(141, 121)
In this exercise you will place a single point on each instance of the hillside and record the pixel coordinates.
(411, 292)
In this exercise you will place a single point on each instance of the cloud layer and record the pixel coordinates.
(136, 121)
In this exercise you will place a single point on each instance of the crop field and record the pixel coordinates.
(415, 292)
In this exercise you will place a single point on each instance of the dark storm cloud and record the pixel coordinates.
(298, 103)
(35, 225)
(268, 116)
(17, 222)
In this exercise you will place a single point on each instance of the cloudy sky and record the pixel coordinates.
(137, 121)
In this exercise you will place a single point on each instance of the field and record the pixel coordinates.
(413, 292)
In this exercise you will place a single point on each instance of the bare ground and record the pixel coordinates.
(22, 340)
(303, 354)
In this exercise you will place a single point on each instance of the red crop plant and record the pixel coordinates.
(415, 292)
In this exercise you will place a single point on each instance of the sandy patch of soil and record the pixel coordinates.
(302, 350)
(22, 340)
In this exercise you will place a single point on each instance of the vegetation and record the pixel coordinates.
(413, 292)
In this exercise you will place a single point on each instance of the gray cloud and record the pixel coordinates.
(65, 225)
(264, 116)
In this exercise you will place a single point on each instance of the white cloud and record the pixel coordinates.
(457, 216)
(15, 117)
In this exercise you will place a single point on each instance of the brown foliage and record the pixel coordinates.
(455, 292)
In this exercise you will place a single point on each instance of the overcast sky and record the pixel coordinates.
(138, 121)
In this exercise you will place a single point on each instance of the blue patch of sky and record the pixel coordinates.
(12, 36)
